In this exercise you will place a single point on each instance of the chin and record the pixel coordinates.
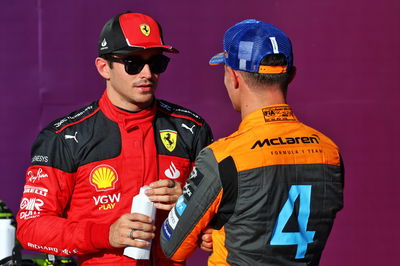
(145, 99)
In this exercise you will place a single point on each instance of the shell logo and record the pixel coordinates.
(103, 177)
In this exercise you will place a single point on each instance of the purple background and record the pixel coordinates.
(347, 86)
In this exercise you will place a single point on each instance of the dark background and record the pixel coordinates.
(347, 86)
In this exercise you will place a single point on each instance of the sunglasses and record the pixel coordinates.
(134, 64)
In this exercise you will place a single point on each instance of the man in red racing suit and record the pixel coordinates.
(87, 166)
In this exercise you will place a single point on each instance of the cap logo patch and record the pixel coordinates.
(244, 54)
(274, 45)
(103, 44)
(145, 29)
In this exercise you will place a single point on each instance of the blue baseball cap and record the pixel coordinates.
(248, 42)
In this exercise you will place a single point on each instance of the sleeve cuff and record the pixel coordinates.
(98, 236)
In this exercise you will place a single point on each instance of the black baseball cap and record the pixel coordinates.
(129, 32)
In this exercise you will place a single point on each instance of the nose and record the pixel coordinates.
(146, 72)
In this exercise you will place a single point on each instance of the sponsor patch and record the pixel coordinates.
(72, 137)
(107, 202)
(145, 29)
(103, 177)
(68, 118)
(36, 190)
(39, 247)
(188, 128)
(187, 191)
(173, 219)
(36, 176)
(313, 139)
(166, 231)
(104, 44)
(180, 205)
(40, 159)
(165, 106)
(32, 204)
(188, 112)
(196, 176)
(172, 172)
(29, 215)
(168, 138)
(281, 113)
(32, 207)
(244, 54)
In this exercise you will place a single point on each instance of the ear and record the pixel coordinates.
(234, 75)
(292, 74)
(103, 67)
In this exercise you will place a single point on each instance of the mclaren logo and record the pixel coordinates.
(145, 29)
(286, 141)
(103, 177)
(168, 138)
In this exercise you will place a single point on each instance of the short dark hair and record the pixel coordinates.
(258, 79)
(107, 57)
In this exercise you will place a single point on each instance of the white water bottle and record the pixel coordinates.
(7, 231)
(141, 204)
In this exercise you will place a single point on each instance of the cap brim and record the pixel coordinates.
(128, 50)
(217, 59)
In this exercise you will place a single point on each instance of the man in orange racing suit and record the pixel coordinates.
(87, 166)
(270, 190)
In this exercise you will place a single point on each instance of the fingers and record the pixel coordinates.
(164, 193)
(207, 231)
(140, 226)
(140, 235)
(131, 217)
(168, 199)
(168, 183)
(131, 230)
(206, 239)
(206, 246)
(163, 206)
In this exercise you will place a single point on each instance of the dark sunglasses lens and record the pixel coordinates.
(158, 64)
(133, 66)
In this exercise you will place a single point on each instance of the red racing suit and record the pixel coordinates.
(271, 191)
(87, 167)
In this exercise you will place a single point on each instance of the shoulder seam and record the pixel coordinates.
(182, 116)
(79, 121)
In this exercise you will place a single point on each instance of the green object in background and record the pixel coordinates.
(42, 262)
(59, 261)
(5, 212)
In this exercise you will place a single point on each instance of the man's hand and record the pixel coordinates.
(205, 243)
(164, 193)
(131, 226)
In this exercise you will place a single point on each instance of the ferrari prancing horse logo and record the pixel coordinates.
(145, 29)
(168, 138)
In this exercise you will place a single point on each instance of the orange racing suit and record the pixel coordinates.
(270, 190)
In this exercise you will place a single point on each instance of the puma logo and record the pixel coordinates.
(72, 137)
(188, 128)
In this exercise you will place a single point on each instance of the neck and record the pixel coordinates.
(127, 104)
(255, 98)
